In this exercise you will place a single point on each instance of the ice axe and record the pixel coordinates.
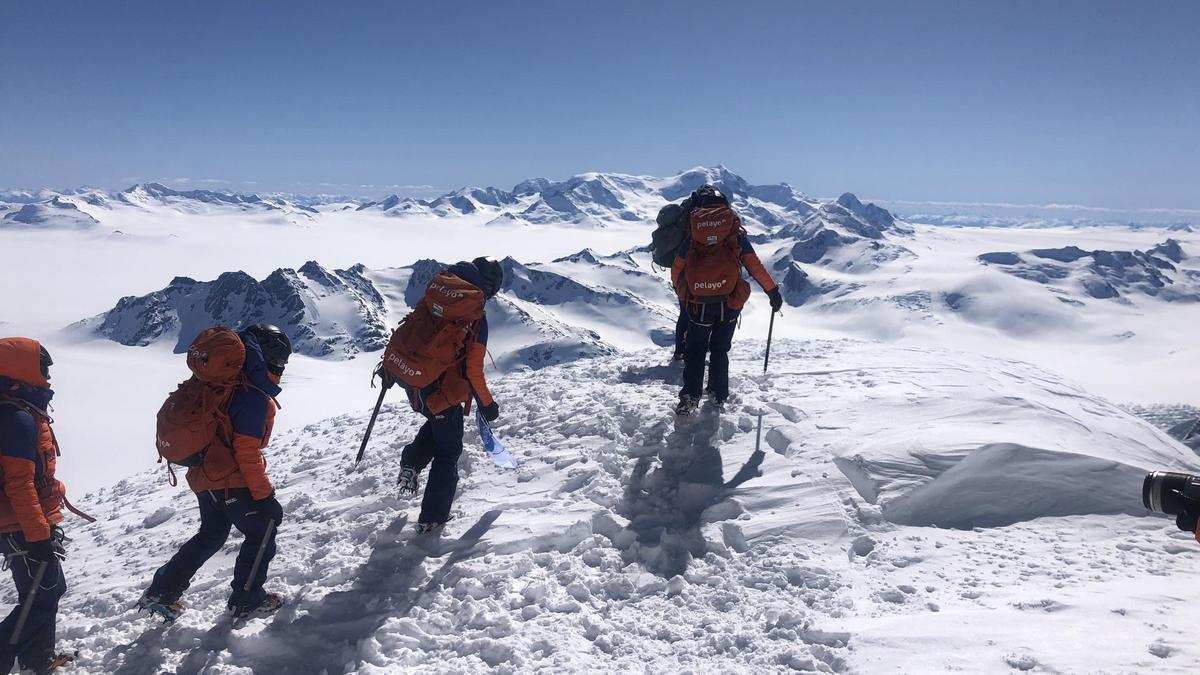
(767, 357)
(370, 425)
(29, 600)
(262, 549)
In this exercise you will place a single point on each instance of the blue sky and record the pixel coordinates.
(1085, 102)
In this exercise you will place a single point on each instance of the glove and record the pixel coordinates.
(385, 378)
(59, 539)
(40, 551)
(490, 411)
(270, 509)
(776, 299)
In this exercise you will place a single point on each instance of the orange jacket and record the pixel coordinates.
(458, 385)
(240, 464)
(32, 497)
(750, 261)
(474, 367)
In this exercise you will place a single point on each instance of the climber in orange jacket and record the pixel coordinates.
(30, 505)
(233, 490)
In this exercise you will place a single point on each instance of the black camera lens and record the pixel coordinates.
(1170, 493)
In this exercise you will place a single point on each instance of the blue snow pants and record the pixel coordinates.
(220, 510)
(440, 443)
(35, 646)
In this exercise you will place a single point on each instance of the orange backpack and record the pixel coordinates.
(713, 265)
(434, 336)
(194, 415)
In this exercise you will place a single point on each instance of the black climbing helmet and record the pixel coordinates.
(46, 362)
(708, 195)
(493, 275)
(274, 344)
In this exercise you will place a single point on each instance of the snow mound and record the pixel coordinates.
(1005, 483)
(1021, 445)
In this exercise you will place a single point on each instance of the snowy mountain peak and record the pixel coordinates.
(324, 313)
(728, 182)
(1103, 274)
(877, 217)
(54, 213)
(395, 204)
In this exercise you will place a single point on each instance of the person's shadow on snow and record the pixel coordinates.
(669, 491)
(670, 374)
(326, 637)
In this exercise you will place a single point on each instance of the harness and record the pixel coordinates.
(8, 401)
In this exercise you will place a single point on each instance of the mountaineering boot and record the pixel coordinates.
(270, 604)
(54, 661)
(687, 405)
(408, 480)
(429, 528)
(167, 611)
(60, 659)
(715, 401)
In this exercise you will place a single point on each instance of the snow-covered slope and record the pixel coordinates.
(630, 540)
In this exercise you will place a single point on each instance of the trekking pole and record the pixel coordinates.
(25, 608)
(758, 436)
(370, 425)
(258, 558)
(767, 358)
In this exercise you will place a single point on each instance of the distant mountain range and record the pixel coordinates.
(836, 258)
(546, 314)
(591, 200)
(583, 304)
(599, 199)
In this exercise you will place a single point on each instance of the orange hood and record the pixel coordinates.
(21, 360)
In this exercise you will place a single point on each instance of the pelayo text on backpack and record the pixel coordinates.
(713, 266)
(434, 336)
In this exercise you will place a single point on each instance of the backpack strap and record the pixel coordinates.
(11, 402)
(72, 509)
(272, 398)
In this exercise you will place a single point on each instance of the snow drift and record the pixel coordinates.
(1000, 443)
